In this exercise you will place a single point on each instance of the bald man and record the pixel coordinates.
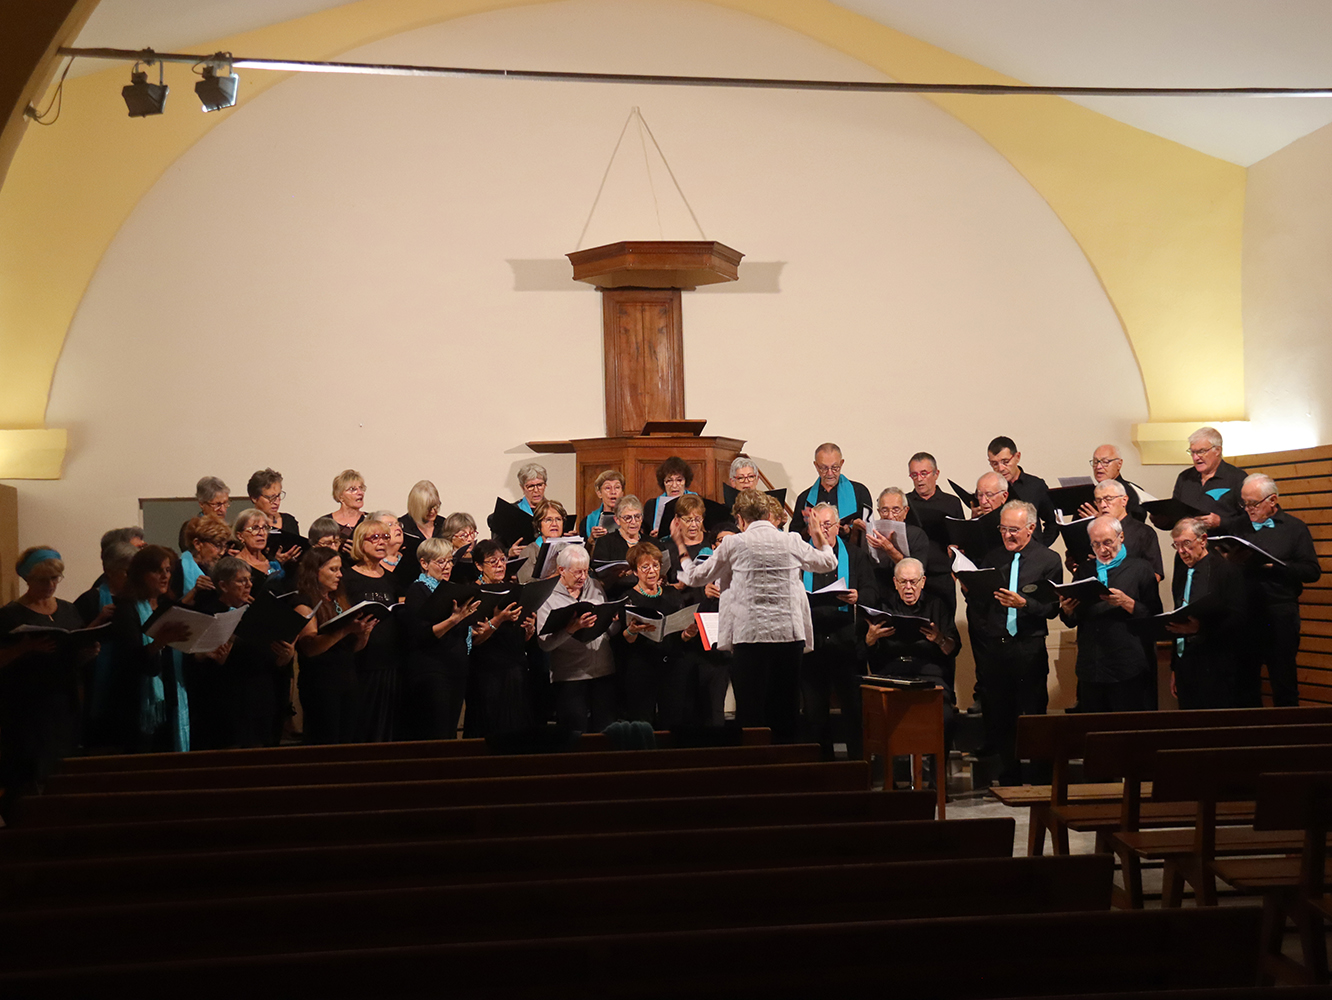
(1112, 657)
(1106, 465)
(1272, 593)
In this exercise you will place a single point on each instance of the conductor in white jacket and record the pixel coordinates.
(764, 610)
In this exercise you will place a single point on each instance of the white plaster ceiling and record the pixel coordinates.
(1135, 43)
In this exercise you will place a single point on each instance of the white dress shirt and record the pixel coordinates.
(763, 597)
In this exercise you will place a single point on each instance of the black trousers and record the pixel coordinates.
(331, 700)
(765, 677)
(1015, 685)
(434, 701)
(827, 668)
(585, 706)
(1272, 640)
(1120, 696)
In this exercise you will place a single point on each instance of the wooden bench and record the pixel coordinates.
(429, 769)
(260, 872)
(505, 820)
(190, 929)
(325, 753)
(1220, 774)
(110, 807)
(950, 957)
(1131, 755)
(1060, 739)
(1291, 887)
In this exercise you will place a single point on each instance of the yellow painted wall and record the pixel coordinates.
(1160, 224)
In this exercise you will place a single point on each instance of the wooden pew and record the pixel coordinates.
(1291, 887)
(110, 807)
(504, 820)
(1131, 756)
(325, 753)
(190, 929)
(430, 769)
(950, 957)
(1060, 740)
(445, 862)
(1219, 774)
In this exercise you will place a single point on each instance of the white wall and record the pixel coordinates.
(368, 272)
(1288, 290)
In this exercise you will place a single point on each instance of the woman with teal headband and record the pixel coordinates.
(39, 693)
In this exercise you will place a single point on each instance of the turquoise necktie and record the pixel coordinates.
(1188, 587)
(1012, 585)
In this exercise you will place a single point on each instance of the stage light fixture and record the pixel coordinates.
(143, 98)
(217, 92)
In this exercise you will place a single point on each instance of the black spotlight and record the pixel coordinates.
(144, 98)
(216, 92)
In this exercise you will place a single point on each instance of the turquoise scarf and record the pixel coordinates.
(190, 571)
(846, 497)
(593, 521)
(152, 693)
(843, 571)
(1103, 569)
(524, 506)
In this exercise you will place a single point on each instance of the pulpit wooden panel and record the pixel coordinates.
(638, 458)
(643, 333)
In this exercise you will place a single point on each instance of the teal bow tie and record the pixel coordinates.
(1269, 523)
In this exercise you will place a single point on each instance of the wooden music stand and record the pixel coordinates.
(906, 721)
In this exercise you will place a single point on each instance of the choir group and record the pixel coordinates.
(396, 626)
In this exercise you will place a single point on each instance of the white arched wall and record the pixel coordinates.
(356, 272)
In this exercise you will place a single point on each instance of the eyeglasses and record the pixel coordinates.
(1255, 504)
(257, 529)
(533, 484)
(629, 518)
(891, 511)
(828, 470)
(1011, 532)
(922, 474)
(742, 477)
(1099, 463)
(271, 497)
(694, 519)
(354, 489)
(1199, 452)
(1185, 543)
(377, 537)
(992, 494)
(218, 504)
(909, 582)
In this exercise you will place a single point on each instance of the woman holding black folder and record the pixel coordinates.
(499, 698)
(548, 519)
(377, 665)
(436, 667)
(266, 495)
(656, 674)
(330, 695)
(247, 683)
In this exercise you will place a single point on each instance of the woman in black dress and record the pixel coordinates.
(349, 492)
(330, 694)
(148, 699)
(422, 519)
(252, 530)
(266, 494)
(655, 673)
(39, 690)
(250, 682)
(378, 663)
(500, 702)
(436, 666)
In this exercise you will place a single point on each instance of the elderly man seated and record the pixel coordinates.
(922, 648)
(1111, 655)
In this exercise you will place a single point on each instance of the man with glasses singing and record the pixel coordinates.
(850, 498)
(1272, 593)
(1014, 630)
(1106, 464)
(1212, 484)
(1141, 541)
(1205, 650)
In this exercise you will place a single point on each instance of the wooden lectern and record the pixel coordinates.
(643, 343)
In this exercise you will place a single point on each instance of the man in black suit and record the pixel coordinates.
(831, 665)
(1272, 593)
(1015, 628)
(1205, 654)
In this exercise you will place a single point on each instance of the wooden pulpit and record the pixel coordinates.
(643, 346)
